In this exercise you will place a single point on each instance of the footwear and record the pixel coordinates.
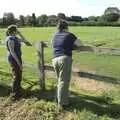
(15, 97)
(66, 106)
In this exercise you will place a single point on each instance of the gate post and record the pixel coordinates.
(41, 65)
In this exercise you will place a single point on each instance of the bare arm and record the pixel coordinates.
(24, 40)
(78, 43)
(11, 48)
(85, 48)
(81, 47)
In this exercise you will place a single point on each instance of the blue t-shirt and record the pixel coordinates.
(63, 43)
(17, 48)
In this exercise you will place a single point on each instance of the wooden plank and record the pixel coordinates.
(41, 65)
(111, 51)
(89, 75)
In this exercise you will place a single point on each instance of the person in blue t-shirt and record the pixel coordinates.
(63, 43)
(13, 44)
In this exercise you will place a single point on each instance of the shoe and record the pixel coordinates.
(66, 106)
(15, 97)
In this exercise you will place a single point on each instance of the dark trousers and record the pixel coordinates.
(17, 77)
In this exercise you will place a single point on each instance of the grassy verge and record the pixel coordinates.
(86, 104)
(91, 99)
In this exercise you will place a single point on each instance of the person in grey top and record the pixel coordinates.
(13, 45)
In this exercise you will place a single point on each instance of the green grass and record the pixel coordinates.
(34, 105)
(89, 35)
(97, 35)
(86, 104)
(101, 64)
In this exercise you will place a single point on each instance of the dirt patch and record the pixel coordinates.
(87, 84)
(10, 110)
(91, 84)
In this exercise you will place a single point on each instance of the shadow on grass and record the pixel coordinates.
(48, 95)
(5, 73)
(4, 90)
(97, 105)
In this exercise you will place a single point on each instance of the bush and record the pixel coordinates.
(94, 23)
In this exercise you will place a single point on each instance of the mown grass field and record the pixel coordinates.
(91, 99)
(100, 63)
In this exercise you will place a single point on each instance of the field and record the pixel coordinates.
(92, 99)
(100, 63)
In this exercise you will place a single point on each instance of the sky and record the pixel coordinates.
(82, 8)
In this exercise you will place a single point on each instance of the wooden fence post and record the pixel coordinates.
(41, 65)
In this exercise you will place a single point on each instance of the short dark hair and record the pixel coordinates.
(11, 29)
(62, 24)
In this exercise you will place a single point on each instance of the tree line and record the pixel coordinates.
(111, 17)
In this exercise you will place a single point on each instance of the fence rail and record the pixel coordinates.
(88, 75)
(43, 67)
(112, 51)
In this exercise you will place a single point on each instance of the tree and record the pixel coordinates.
(76, 18)
(52, 20)
(22, 20)
(1, 21)
(42, 20)
(92, 18)
(28, 20)
(111, 17)
(85, 19)
(33, 19)
(111, 14)
(111, 10)
(8, 19)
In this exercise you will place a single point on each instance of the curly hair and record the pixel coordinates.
(11, 29)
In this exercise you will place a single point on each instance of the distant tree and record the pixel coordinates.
(111, 17)
(68, 18)
(22, 20)
(42, 20)
(52, 16)
(1, 21)
(8, 18)
(111, 10)
(100, 18)
(111, 14)
(28, 20)
(52, 20)
(92, 18)
(34, 20)
(85, 19)
(76, 18)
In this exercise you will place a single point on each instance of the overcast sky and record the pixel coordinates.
(82, 8)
